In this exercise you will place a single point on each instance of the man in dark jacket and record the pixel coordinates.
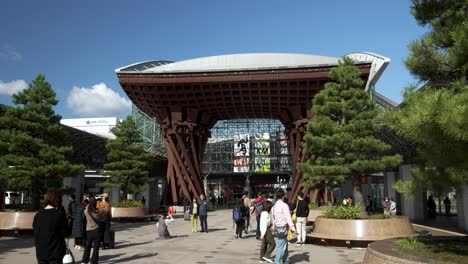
(203, 213)
(302, 211)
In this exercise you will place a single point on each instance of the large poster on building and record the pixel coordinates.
(241, 153)
(262, 152)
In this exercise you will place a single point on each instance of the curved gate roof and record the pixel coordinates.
(254, 85)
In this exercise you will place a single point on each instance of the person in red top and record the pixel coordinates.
(257, 210)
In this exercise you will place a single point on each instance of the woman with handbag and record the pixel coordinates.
(94, 230)
(268, 241)
(50, 227)
(281, 215)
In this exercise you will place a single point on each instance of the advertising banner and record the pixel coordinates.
(241, 153)
(262, 152)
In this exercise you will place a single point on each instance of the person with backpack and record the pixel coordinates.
(247, 204)
(257, 210)
(266, 235)
(238, 216)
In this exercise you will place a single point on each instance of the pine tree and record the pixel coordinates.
(128, 163)
(436, 117)
(342, 137)
(32, 154)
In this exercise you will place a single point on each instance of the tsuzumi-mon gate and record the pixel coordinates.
(189, 97)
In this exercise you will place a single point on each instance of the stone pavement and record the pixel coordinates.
(136, 243)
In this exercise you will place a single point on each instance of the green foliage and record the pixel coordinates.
(440, 250)
(343, 212)
(128, 163)
(378, 216)
(343, 135)
(441, 55)
(313, 206)
(32, 155)
(436, 117)
(128, 203)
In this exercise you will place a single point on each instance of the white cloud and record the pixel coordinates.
(9, 53)
(98, 100)
(12, 87)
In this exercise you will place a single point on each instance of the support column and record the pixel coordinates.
(462, 208)
(413, 207)
(185, 144)
(296, 134)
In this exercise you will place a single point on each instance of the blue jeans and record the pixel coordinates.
(282, 251)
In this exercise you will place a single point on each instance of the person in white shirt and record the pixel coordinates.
(268, 241)
(392, 206)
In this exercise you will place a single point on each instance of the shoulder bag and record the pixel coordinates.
(68, 258)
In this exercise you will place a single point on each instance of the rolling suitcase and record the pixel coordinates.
(187, 214)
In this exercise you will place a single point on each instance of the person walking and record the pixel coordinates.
(78, 227)
(431, 207)
(247, 204)
(203, 213)
(94, 230)
(266, 235)
(302, 211)
(369, 204)
(257, 210)
(281, 215)
(393, 208)
(106, 236)
(447, 204)
(238, 216)
(50, 228)
(193, 211)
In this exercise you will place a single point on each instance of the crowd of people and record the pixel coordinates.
(88, 223)
(273, 220)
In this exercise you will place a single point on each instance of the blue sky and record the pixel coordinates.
(79, 44)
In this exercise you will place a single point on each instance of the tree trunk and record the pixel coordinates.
(125, 190)
(357, 193)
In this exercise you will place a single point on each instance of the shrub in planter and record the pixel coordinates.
(313, 206)
(128, 203)
(342, 212)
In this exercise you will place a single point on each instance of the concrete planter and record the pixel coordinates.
(362, 230)
(16, 220)
(128, 212)
(380, 252)
(313, 214)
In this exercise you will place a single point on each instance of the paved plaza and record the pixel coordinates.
(136, 243)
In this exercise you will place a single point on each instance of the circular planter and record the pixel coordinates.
(380, 252)
(362, 230)
(313, 214)
(128, 212)
(16, 220)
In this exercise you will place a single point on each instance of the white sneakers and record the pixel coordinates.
(268, 260)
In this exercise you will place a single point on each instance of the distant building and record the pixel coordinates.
(101, 126)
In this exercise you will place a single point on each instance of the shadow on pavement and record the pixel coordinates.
(14, 244)
(127, 259)
(125, 244)
(297, 258)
